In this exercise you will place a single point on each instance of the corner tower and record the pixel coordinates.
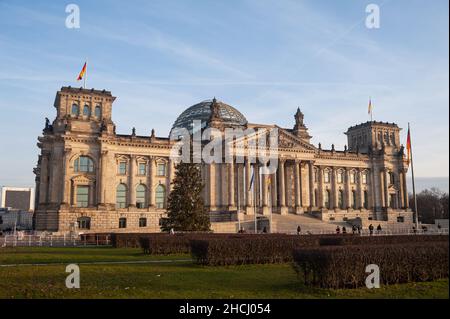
(371, 136)
(83, 111)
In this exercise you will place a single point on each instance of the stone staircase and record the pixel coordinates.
(288, 224)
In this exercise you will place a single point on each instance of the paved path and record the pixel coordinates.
(103, 262)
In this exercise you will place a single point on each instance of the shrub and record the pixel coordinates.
(336, 240)
(248, 249)
(344, 266)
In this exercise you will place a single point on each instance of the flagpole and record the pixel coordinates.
(416, 219)
(254, 201)
(85, 75)
(238, 200)
(371, 109)
(271, 206)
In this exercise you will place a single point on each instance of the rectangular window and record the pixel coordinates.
(122, 168)
(142, 169)
(122, 222)
(161, 171)
(326, 177)
(352, 178)
(142, 222)
(82, 196)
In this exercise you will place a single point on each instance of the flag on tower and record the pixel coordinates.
(83, 72)
(370, 106)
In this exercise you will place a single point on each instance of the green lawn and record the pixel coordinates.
(180, 279)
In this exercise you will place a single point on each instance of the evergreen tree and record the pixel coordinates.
(185, 208)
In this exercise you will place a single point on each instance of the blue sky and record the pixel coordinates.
(266, 58)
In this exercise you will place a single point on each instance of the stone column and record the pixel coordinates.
(102, 177)
(304, 185)
(248, 191)
(257, 185)
(386, 188)
(273, 190)
(282, 186)
(212, 186)
(311, 185)
(151, 182)
(131, 185)
(347, 189)
(66, 187)
(240, 185)
(43, 178)
(360, 191)
(298, 202)
(334, 189)
(231, 186)
(264, 193)
(321, 190)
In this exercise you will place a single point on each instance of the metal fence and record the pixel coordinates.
(366, 232)
(54, 240)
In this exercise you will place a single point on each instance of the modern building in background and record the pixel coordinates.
(91, 178)
(15, 219)
(18, 198)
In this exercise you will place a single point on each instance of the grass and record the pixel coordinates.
(181, 279)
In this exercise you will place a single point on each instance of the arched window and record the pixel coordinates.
(340, 177)
(353, 199)
(83, 164)
(86, 110)
(75, 109)
(364, 178)
(341, 199)
(140, 196)
(160, 196)
(121, 196)
(326, 200)
(98, 111)
(352, 177)
(326, 176)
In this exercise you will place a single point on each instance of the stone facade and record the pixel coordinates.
(90, 178)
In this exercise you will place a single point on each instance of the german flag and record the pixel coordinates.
(83, 72)
(369, 111)
(408, 146)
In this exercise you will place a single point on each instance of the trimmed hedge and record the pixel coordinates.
(249, 249)
(336, 240)
(180, 243)
(344, 266)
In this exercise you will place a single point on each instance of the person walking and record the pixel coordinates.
(354, 229)
(379, 229)
(371, 229)
(338, 230)
(344, 230)
(299, 230)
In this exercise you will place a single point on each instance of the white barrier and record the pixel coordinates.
(49, 241)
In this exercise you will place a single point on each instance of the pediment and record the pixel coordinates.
(285, 139)
(83, 179)
(289, 140)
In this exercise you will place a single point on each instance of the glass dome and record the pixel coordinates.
(202, 111)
